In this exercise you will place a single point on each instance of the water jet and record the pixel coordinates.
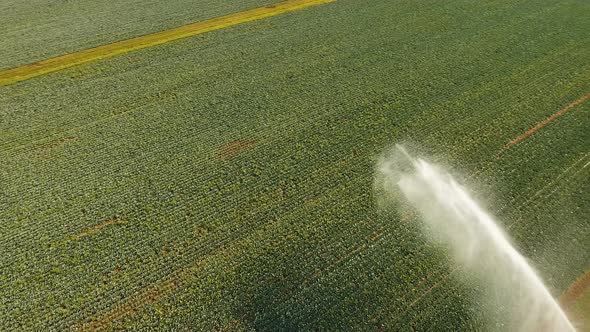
(475, 241)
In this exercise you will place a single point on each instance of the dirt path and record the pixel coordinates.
(545, 122)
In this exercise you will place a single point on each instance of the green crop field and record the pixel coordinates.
(225, 181)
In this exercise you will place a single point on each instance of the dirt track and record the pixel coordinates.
(546, 121)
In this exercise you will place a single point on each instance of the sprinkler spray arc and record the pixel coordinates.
(452, 218)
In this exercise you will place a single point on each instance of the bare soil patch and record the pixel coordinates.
(44, 149)
(575, 290)
(96, 228)
(234, 148)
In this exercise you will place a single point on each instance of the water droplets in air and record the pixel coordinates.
(452, 218)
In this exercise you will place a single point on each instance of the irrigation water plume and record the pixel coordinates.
(477, 244)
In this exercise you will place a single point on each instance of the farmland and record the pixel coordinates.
(224, 181)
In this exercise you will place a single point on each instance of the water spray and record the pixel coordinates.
(478, 246)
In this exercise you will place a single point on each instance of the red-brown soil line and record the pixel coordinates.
(96, 228)
(131, 305)
(575, 290)
(232, 149)
(52, 145)
(546, 121)
(417, 300)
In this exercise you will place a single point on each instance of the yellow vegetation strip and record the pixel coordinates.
(546, 121)
(25, 72)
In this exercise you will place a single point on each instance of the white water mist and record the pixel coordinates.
(477, 244)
